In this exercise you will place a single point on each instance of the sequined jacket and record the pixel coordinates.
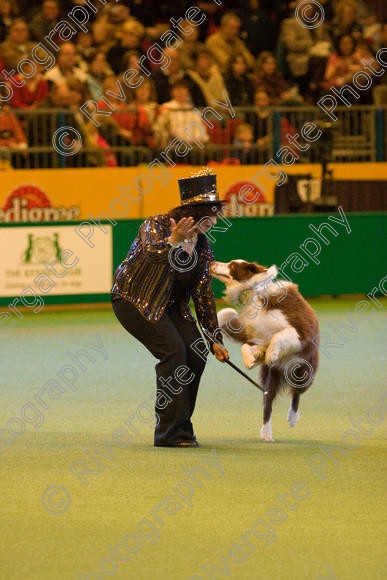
(146, 277)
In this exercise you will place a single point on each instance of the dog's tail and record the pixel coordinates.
(299, 373)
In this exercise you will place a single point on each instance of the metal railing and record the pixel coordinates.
(350, 138)
(358, 135)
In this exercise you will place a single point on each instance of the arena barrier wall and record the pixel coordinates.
(350, 262)
(51, 195)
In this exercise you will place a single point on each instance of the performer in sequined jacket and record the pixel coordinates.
(167, 264)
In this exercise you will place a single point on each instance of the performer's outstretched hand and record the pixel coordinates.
(220, 352)
(182, 230)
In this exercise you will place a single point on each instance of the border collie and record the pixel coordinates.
(278, 330)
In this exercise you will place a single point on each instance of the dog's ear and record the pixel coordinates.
(242, 270)
(256, 268)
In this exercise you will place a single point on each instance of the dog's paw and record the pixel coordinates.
(252, 355)
(247, 355)
(266, 433)
(293, 417)
(272, 355)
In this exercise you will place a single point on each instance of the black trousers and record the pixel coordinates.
(169, 341)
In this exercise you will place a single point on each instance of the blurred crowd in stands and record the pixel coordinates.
(256, 50)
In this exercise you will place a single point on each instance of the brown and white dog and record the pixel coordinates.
(278, 329)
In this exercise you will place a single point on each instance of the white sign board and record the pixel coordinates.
(309, 190)
(54, 260)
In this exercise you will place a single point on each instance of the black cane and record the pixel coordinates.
(244, 374)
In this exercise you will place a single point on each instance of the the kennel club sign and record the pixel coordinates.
(51, 260)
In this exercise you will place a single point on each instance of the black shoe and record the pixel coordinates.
(188, 443)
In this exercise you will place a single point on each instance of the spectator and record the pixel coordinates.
(7, 16)
(164, 79)
(27, 8)
(190, 47)
(130, 61)
(58, 97)
(66, 68)
(381, 41)
(176, 115)
(370, 25)
(243, 145)
(99, 71)
(238, 83)
(126, 126)
(260, 119)
(363, 51)
(342, 64)
(297, 42)
(145, 97)
(260, 31)
(319, 55)
(11, 133)
(17, 46)
(226, 41)
(45, 20)
(33, 92)
(100, 153)
(85, 48)
(244, 135)
(97, 151)
(11, 137)
(364, 15)
(292, 5)
(108, 24)
(127, 38)
(41, 126)
(77, 94)
(268, 78)
(345, 21)
(205, 81)
(113, 128)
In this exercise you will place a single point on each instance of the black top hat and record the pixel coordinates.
(199, 189)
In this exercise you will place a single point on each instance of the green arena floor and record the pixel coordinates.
(175, 527)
